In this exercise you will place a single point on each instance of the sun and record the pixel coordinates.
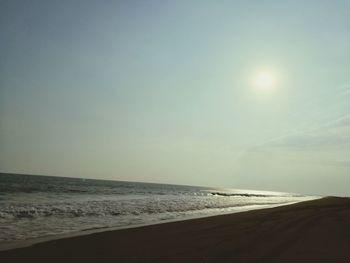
(265, 80)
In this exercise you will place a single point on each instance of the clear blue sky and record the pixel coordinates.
(161, 91)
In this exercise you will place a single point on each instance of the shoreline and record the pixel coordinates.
(15, 244)
(310, 231)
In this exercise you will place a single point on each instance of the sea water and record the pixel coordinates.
(40, 206)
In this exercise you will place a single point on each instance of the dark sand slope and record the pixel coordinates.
(313, 231)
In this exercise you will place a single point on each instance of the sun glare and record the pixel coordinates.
(265, 80)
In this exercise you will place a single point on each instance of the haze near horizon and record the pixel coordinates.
(242, 94)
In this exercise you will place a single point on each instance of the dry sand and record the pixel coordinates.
(313, 231)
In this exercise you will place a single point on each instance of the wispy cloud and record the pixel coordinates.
(331, 133)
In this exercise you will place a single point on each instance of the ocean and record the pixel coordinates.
(34, 206)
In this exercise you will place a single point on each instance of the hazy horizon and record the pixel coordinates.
(240, 94)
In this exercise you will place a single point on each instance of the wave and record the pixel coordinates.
(241, 194)
(129, 206)
(30, 219)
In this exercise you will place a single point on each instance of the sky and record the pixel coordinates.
(165, 91)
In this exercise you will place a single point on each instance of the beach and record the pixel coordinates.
(311, 231)
(46, 206)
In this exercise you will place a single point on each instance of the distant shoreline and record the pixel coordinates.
(310, 231)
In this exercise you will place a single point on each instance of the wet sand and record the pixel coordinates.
(312, 231)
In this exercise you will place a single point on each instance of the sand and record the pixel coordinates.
(312, 231)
